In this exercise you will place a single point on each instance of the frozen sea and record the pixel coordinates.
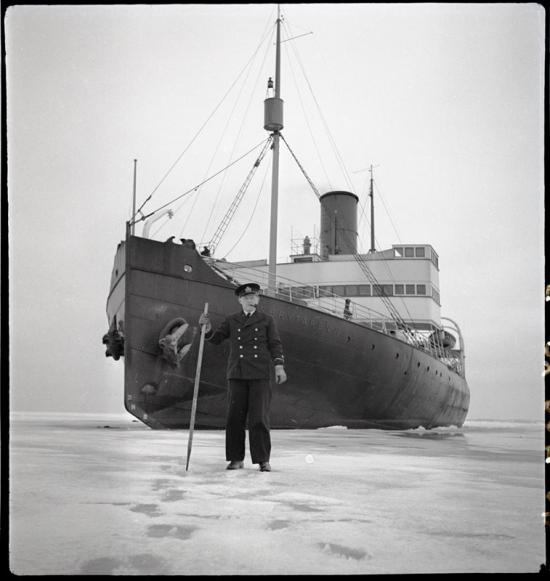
(105, 495)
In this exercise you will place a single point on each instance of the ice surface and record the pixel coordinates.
(101, 494)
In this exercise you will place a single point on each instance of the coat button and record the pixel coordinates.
(241, 355)
(255, 346)
(240, 346)
(239, 330)
(256, 329)
(255, 355)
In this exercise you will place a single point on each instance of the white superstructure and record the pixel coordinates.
(407, 274)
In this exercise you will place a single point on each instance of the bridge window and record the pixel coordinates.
(379, 290)
(399, 289)
(420, 252)
(409, 289)
(364, 290)
(420, 289)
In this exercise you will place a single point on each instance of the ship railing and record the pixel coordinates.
(329, 302)
(429, 341)
(459, 353)
(312, 296)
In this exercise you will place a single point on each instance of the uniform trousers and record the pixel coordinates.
(248, 398)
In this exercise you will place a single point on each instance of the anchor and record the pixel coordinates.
(114, 342)
(173, 349)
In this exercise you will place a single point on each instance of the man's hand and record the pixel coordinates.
(280, 375)
(204, 320)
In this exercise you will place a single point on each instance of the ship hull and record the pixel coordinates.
(339, 372)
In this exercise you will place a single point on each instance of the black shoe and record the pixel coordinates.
(235, 465)
(265, 467)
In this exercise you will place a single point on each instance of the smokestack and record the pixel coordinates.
(338, 223)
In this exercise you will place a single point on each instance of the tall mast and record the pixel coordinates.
(274, 122)
(371, 194)
(134, 200)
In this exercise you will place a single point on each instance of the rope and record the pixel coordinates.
(251, 215)
(387, 212)
(199, 131)
(329, 135)
(220, 231)
(247, 109)
(313, 186)
(305, 110)
(394, 313)
(197, 186)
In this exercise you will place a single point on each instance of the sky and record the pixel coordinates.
(445, 101)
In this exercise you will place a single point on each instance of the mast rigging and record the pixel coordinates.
(237, 200)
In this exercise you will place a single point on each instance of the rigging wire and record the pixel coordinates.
(325, 124)
(247, 109)
(199, 185)
(363, 207)
(261, 273)
(391, 279)
(304, 110)
(387, 212)
(161, 226)
(261, 189)
(170, 169)
(229, 118)
(394, 313)
(268, 33)
(220, 231)
(313, 186)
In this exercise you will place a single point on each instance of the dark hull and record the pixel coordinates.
(339, 372)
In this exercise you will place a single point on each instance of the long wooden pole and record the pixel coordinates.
(196, 390)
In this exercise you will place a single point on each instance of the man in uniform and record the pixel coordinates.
(254, 346)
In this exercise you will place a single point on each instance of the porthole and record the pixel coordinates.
(397, 355)
(428, 368)
(188, 268)
(418, 364)
(373, 346)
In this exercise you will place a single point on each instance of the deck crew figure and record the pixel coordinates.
(255, 346)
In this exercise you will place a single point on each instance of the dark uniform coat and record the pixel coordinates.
(254, 345)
